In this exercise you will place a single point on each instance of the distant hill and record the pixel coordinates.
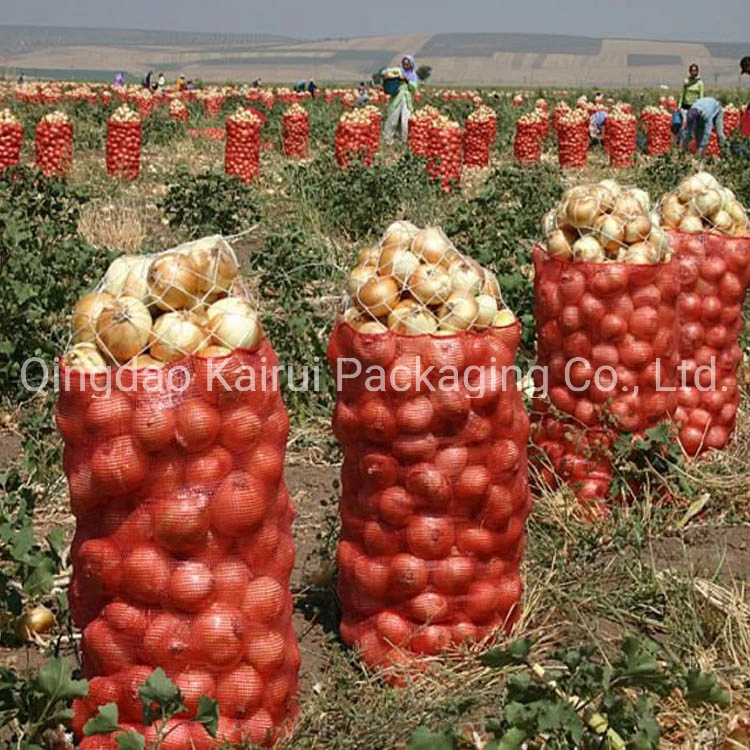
(528, 60)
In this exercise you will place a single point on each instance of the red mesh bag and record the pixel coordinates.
(714, 275)
(420, 124)
(53, 144)
(353, 140)
(479, 137)
(616, 320)
(527, 145)
(620, 131)
(445, 153)
(731, 119)
(242, 151)
(183, 546)
(11, 138)
(573, 140)
(145, 105)
(658, 133)
(296, 132)
(561, 110)
(123, 148)
(178, 111)
(434, 493)
(376, 122)
(212, 106)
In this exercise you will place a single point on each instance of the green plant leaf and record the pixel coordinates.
(208, 714)
(513, 739)
(704, 688)
(55, 680)
(160, 697)
(425, 739)
(130, 741)
(105, 721)
(516, 653)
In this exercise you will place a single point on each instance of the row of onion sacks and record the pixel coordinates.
(606, 288)
(123, 146)
(242, 151)
(53, 144)
(710, 235)
(434, 479)
(11, 138)
(175, 433)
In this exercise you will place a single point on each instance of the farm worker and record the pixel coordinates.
(596, 125)
(181, 84)
(119, 80)
(162, 81)
(146, 82)
(692, 88)
(745, 66)
(312, 88)
(363, 94)
(705, 115)
(299, 87)
(257, 83)
(401, 105)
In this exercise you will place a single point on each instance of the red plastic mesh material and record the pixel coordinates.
(53, 146)
(527, 145)
(659, 134)
(478, 143)
(296, 134)
(732, 118)
(212, 106)
(242, 150)
(183, 546)
(434, 492)
(123, 149)
(445, 155)
(11, 138)
(714, 275)
(354, 140)
(615, 320)
(573, 143)
(419, 135)
(620, 136)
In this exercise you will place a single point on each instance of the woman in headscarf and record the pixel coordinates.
(119, 80)
(401, 106)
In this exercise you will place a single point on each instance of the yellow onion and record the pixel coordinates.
(214, 351)
(35, 621)
(464, 277)
(491, 285)
(659, 239)
(369, 256)
(136, 282)
(398, 262)
(582, 211)
(123, 328)
(708, 203)
(143, 361)
(691, 224)
(174, 281)
(85, 314)
(734, 208)
(370, 326)
(175, 335)
(706, 181)
(233, 323)
(642, 197)
(610, 232)
(487, 311)
(503, 318)
(411, 319)
(430, 284)
(216, 265)
(117, 272)
(549, 222)
(672, 211)
(637, 229)
(627, 206)
(722, 220)
(378, 296)
(459, 312)
(642, 253)
(86, 357)
(588, 250)
(612, 187)
(604, 196)
(431, 245)
(398, 236)
(558, 245)
(358, 276)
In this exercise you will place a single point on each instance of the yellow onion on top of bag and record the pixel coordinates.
(7, 116)
(416, 282)
(701, 204)
(125, 114)
(605, 222)
(55, 117)
(151, 310)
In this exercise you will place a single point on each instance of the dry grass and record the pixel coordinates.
(112, 226)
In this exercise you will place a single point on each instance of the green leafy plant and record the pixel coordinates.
(34, 707)
(209, 203)
(162, 702)
(581, 701)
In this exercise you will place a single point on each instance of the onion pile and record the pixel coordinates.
(354, 138)
(573, 138)
(732, 118)
(152, 310)
(445, 152)
(527, 145)
(605, 222)
(479, 136)
(417, 283)
(178, 111)
(620, 133)
(420, 124)
(242, 153)
(296, 132)
(658, 122)
(54, 143)
(11, 137)
(702, 204)
(123, 147)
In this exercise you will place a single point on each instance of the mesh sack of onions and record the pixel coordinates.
(296, 132)
(242, 151)
(420, 124)
(658, 130)
(123, 147)
(353, 139)
(175, 433)
(543, 123)
(573, 139)
(620, 131)
(561, 109)
(710, 235)
(11, 138)
(434, 480)
(732, 119)
(527, 144)
(605, 292)
(445, 152)
(212, 104)
(479, 137)
(178, 110)
(376, 121)
(53, 143)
